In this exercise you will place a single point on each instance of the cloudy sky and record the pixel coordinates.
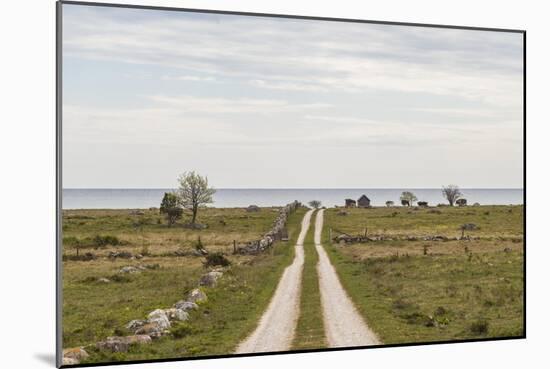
(258, 102)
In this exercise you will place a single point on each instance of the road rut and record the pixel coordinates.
(275, 330)
(344, 326)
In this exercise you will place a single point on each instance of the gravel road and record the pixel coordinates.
(344, 326)
(275, 330)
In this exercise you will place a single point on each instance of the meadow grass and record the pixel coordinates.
(93, 310)
(492, 221)
(310, 330)
(417, 291)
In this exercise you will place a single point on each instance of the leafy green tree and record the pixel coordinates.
(194, 192)
(316, 204)
(409, 197)
(170, 208)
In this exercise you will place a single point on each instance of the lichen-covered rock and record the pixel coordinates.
(113, 344)
(129, 269)
(76, 353)
(151, 329)
(160, 318)
(210, 279)
(121, 344)
(177, 314)
(186, 305)
(196, 296)
(135, 324)
(70, 361)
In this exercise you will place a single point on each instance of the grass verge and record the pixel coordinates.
(93, 311)
(310, 330)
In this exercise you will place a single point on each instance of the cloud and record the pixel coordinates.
(309, 56)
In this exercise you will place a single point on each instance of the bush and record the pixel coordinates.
(479, 327)
(216, 259)
(102, 241)
(81, 257)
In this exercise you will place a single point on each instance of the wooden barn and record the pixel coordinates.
(363, 202)
(350, 203)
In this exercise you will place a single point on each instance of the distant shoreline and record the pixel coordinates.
(231, 198)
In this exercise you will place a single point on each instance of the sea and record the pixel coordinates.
(228, 198)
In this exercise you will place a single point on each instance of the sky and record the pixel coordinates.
(261, 102)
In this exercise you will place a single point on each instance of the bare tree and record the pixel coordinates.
(451, 193)
(409, 197)
(193, 192)
(316, 204)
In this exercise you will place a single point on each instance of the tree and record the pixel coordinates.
(316, 204)
(409, 197)
(170, 208)
(451, 193)
(389, 204)
(194, 192)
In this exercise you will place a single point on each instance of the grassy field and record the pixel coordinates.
(93, 310)
(420, 291)
(310, 330)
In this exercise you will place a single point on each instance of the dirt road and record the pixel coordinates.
(276, 328)
(343, 324)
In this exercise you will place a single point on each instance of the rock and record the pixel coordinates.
(75, 353)
(120, 254)
(104, 280)
(121, 344)
(70, 361)
(160, 318)
(210, 279)
(113, 344)
(186, 305)
(507, 249)
(253, 208)
(135, 324)
(177, 314)
(129, 269)
(150, 329)
(196, 296)
(138, 256)
(138, 339)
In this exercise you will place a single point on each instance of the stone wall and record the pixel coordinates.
(274, 234)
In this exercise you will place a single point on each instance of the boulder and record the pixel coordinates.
(177, 314)
(120, 254)
(70, 361)
(196, 296)
(210, 279)
(135, 324)
(185, 305)
(121, 344)
(113, 344)
(76, 353)
(160, 318)
(129, 269)
(150, 329)
(253, 208)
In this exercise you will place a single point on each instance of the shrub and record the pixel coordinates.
(479, 327)
(216, 259)
(102, 241)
